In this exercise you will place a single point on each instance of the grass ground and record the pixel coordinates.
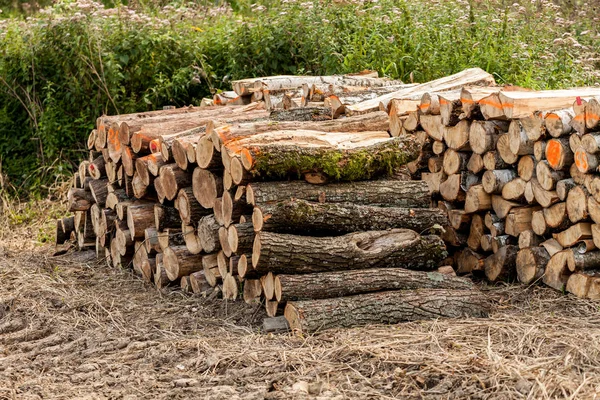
(71, 327)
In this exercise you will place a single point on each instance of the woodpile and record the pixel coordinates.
(274, 193)
(516, 171)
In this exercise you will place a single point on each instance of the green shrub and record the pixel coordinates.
(74, 61)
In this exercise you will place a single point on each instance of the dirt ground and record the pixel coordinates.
(71, 327)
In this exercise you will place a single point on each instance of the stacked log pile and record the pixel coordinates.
(516, 172)
(284, 204)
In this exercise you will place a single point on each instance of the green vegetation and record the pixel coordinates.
(65, 65)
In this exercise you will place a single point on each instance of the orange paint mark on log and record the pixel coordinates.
(466, 101)
(247, 156)
(592, 117)
(552, 116)
(490, 103)
(443, 101)
(579, 117)
(581, 161)
(553, 153)
(424, 105)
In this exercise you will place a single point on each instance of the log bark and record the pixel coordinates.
(166, 217)
(518, 104)
(563, 187)
(208, 234)
(297, 216)
(492, 161)
(283, 253)
(494, 180)
(581, 262)
(558, 123)
(346, 283)
(384, 307)
(592, 114)
(338, 156)
(384, 193)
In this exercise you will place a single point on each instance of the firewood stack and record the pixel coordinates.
(291, 206)
(517, 173)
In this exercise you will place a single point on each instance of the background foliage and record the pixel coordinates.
(64, 65)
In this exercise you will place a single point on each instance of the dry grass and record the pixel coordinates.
(71, 328)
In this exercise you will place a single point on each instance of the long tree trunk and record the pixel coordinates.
(384, 193)
(345, 283)
(338, 156)
(334, 218)
(385, 308)
(283, 253)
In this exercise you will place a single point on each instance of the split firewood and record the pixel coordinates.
(531, 264)
(502, 264)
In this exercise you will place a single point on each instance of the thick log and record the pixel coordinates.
(468, 261)
(519, 142)
(178, 262)
(504, 150)
(514, 190)
(384, 193)
(494, 180)
(519, 220)
(283, 253)
(472, 76)
(172, 179)
(483, 135)
(455, 162)
(347, 283)
(79, 199)
(166, 217)
(190, 211)
(501, 265)
(586, 162)
(240, 238)
(339, 156)
(384, 307)
(299, 216)
(451, 189)
(208, 234)
(491, 107)
(457, 137)
(432, 124)
(545, 198)
(529, 239)
(139, 218)
(558, 154)
(563, 187)
(518, 104)
(477, 199)
(531, 264)
(534, 126)
(492, 161)
(470, 97)
(592, 114)
(526, 167)
(556, 217)
(558, 123)
(580, 262)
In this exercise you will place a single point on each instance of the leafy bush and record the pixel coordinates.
(68, 64)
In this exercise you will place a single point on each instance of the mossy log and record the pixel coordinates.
(338, 156)
(385, 193)
(385, 308)
(283, 253)
(336, 218)
(346, 283)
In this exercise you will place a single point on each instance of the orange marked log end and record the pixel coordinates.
(553, 153)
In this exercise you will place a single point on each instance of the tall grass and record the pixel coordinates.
(68, 64)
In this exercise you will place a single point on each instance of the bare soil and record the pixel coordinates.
(71, 327)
